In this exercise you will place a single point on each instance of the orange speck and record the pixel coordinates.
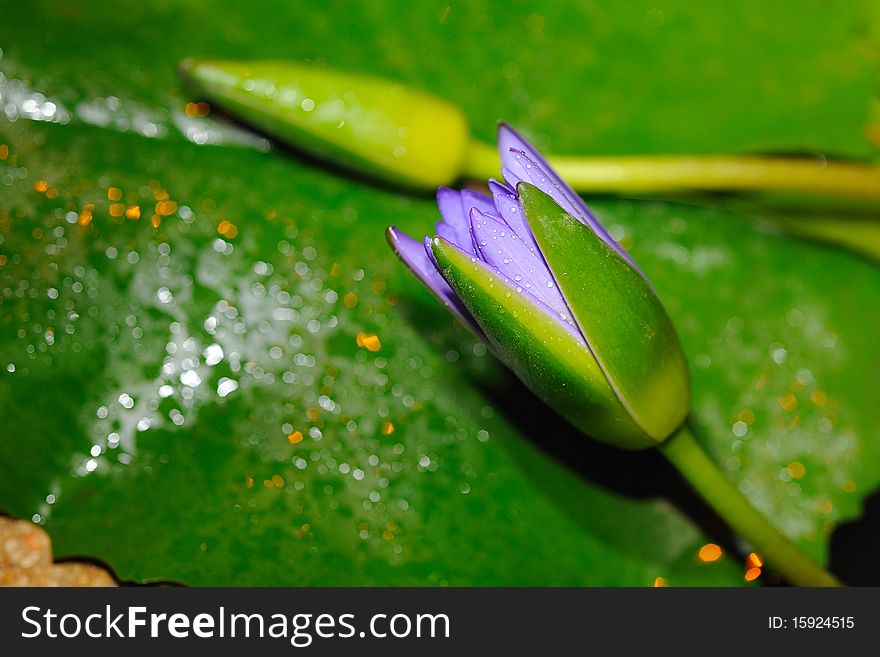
(788, 402)
(267, 483)
(659, 582)
(825, 506)
(197, 109)
(133, 212)
(819, 397)
(155, 221)
(114, 193)
(227, 229)
(4, 151)
(2, 260)
(796, 469)
(350, 300)
(710, 552)
(249, 482)
(754, 560)
(752, 574)
(165, 208)
(387, 428)
(117, 209)
(370, 341)
(746, 415)
(41, 186)
(848, 486)
(378, 286)
(336, 269)
(295, 437)
(278, 480)
(85, 218)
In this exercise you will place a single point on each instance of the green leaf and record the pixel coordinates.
(473, 486)
(198, 502)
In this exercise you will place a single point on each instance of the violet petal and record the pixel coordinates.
(525, 164)
(540, 304)
(455, 226)
(473, 199)
(416, 256)
(525, 271)
(507, 205)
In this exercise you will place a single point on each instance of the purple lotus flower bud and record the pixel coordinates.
(530, 270)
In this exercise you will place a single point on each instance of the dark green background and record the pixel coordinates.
(479, 484)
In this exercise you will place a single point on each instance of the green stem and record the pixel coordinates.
(642, 174)
(689, 458)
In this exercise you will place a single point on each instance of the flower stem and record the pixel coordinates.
(691, 460)
(641, 174)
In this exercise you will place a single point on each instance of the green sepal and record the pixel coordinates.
(619, 314)
(550, 360)
(374, 126)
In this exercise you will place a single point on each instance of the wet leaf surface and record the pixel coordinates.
(214, 371)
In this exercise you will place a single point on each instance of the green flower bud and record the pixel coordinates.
(370, 125)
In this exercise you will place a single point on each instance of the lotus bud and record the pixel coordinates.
(370, 125)
(535, 274)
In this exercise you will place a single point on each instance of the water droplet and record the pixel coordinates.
(213, 354)
(225, 386)
(190, 378)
